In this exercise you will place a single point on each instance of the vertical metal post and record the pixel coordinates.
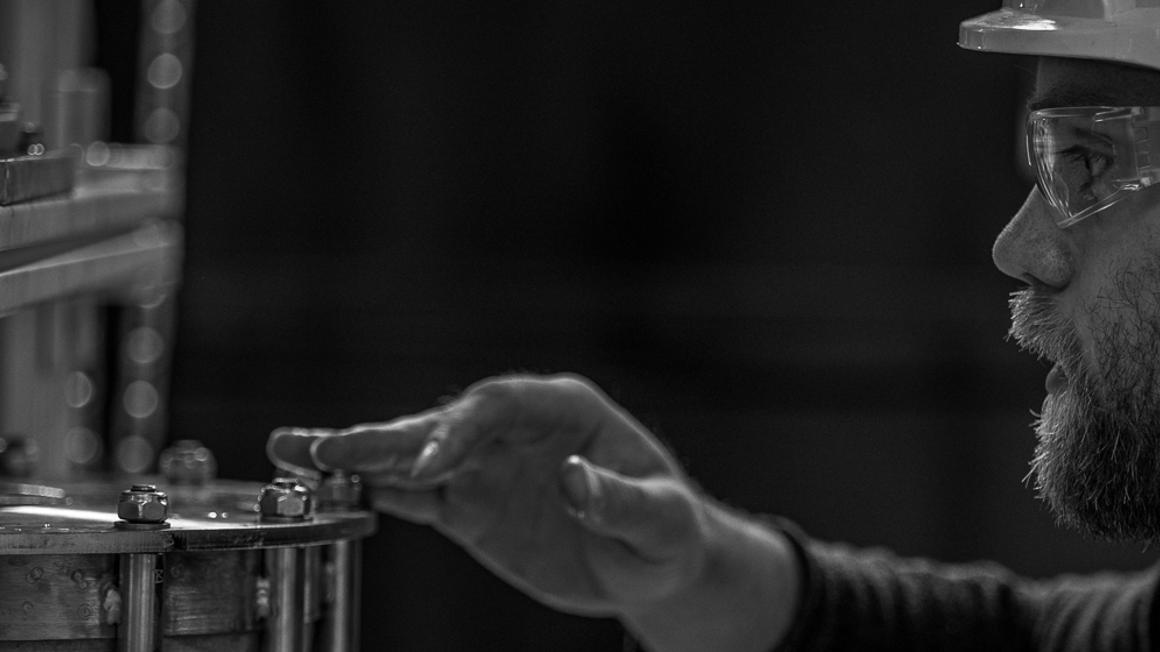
(354, 593)
(341, 632)
(138, 630)
(284, 567)
(312, 593)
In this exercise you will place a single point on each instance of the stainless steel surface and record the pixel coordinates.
(56, 596)
(220, 516)
(340, 629)
(313, 590)
(138, 628)
(189, 564)
(211, 592)
(117, 265)
(284, 631)
(116, 202)
(220, 579)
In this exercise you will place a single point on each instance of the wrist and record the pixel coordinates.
(742, 595)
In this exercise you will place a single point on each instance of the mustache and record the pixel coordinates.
(1039, 328)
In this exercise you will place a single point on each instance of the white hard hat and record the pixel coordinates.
(1125, 31)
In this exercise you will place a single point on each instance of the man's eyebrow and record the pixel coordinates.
(1056, 98)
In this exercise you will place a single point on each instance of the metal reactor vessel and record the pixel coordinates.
(181, 562)
(113, 538)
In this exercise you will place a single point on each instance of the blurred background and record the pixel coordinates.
(764, 228)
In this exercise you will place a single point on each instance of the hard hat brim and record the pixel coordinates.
(1131, 37)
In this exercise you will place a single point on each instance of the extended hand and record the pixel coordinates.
(560, 492)
(544, 480)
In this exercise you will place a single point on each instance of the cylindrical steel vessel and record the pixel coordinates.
(211, 575)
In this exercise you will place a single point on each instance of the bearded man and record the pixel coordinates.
(562, 493)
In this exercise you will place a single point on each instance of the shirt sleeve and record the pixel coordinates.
(869, 600)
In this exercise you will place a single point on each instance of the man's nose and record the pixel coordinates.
(1033, 248)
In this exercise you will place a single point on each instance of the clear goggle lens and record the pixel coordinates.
(1088, 158)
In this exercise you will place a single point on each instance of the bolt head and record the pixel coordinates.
(286, 499)
(143, 504)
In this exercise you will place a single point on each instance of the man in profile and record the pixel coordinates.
(563, 494)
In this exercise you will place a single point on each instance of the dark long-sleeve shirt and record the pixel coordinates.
(874, 600)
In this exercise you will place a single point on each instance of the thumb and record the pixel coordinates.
(653, 515)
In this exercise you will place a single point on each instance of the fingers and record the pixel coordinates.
(432, 444)
(519, 408)
(652, 515)
(383, 453)
(366, 447)
(374, 448)
(289, 449)
(462, 426)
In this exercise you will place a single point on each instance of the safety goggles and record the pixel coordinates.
(1088, 158)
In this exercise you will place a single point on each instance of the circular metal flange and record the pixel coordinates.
(218, 516)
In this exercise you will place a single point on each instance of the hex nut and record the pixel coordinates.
(143, 504)
(286, 499)
(187, 461)
(340, 491)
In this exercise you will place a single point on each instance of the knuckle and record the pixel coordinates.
(357, 428)
(497, 386)
(572, 384)
(497, 394)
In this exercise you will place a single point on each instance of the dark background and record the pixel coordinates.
(762, 227)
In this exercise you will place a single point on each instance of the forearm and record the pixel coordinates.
(743, 599)
(869, 600)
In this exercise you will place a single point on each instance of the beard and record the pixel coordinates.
(1097, 461)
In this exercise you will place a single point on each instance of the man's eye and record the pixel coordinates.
(1087, 163)
(1082, 170)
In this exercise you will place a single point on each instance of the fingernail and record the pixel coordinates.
(574, 487)
(580, 486)
(426, 456)
(316, 454)
(285, 443)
